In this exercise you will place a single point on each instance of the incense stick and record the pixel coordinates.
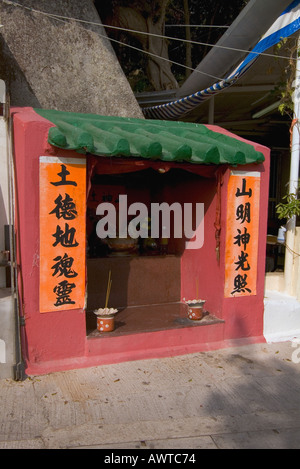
(109, 282)
(196, 287)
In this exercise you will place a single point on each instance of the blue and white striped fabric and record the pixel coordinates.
(287, 24)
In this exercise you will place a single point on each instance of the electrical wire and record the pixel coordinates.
(162, 58)
(195, 26)
(294, 253)
(61, 17)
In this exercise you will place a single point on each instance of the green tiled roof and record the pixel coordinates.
(141, 138)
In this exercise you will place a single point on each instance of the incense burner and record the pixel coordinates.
(195, 309)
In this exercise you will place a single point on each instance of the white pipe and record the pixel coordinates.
(293, 182)
(294, 171)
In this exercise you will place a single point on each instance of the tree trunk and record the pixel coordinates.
(159, 68)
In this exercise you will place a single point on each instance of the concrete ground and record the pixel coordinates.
(241, 397)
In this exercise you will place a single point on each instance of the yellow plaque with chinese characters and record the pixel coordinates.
(62, 233)
(242, 231)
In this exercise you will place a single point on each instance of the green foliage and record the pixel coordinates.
(291, 207)
(285, 89)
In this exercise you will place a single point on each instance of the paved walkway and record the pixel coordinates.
(242, 397)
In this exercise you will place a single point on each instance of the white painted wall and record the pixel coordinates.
(281, 317)
(2, 351)
(282, 299)
(4, 200)
(7, 319)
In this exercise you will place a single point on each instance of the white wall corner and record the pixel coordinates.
(2, 351)
(2, 92)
